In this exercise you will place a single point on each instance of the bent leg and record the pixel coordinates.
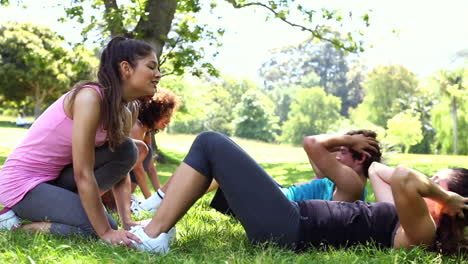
(110, 167)
(62, 208)
(265, 213)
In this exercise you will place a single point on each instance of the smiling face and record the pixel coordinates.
(162, 123)
(142, 79)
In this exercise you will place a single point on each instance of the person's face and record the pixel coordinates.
(345, 157)
(442, 177)
(141, 80)
(162, 123)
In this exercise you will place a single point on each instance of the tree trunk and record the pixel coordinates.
(155, 28)
(453, 111)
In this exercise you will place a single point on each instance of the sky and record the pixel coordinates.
(430, 32)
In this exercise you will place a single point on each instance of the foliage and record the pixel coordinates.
(255, 117)
(384, 88)
(442, 122)
(312, 112)
(34, 63)
(453, 86)
(172, 27)
(404, 129)
(289, 65)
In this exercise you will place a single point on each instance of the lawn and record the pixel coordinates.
(205, 236)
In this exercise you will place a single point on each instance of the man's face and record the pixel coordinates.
(345, 157)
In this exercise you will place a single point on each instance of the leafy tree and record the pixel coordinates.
(283, 95)
(453, 86)
(288, 67)
(421, 104)
(384, 88)
(255, 117)
(404, 129)
(442, 121)
(171, 25)
(312, 112)
(34, 63)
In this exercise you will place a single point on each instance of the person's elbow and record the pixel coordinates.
(309, 143)
(401, 175)
(82, 176)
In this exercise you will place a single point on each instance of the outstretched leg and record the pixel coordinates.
(265, 213)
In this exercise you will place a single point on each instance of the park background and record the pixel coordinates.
(267, 73)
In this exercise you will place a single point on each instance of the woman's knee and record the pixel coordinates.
(210, 137)
(127, 152)
(142, 149)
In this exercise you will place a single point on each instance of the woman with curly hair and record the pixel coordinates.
(154, 115)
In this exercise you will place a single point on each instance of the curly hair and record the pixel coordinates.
(163, 103)
(450, 231)
(375, 156)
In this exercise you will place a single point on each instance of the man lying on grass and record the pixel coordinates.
(268, 216)
(345, 182)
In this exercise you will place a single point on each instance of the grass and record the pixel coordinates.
(205, 236)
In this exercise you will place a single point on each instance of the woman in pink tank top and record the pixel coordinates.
(79, 148)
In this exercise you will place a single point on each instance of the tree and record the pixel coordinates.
(290, 65)
(172, 28)
(404, 129)
(443, 124)
(453, 86)
(384, 88)
(34, 63)
(312, 112)
(255, 117)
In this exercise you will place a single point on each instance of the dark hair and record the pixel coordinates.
(113, 112)
(450, 232)
(163, 103)
(375, 156)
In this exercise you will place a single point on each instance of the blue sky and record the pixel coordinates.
(430, 32)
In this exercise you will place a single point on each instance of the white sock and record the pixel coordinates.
(153, 202)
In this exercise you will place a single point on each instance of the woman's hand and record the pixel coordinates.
(120, 237)
(455, 204)
(361, 143)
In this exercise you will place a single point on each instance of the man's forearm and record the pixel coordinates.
(332, 142)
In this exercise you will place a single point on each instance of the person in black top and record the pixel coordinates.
(268, 216)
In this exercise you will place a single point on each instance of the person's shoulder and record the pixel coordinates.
(87, 96)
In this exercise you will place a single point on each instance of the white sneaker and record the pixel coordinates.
(135, 208)
(9, 220)
(172, 233)
(153, 202)
(159, 245)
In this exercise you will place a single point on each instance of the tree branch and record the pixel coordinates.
(163, 60)
(315, 32)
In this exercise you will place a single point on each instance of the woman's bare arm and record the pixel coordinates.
(408, 188)
(86, 115)
(379, 175)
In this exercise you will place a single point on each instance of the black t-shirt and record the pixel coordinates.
(342, 224)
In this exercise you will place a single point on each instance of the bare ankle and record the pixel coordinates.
(43, 227)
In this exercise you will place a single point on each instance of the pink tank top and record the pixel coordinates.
(42, 154)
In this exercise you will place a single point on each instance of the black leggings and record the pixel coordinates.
(58, 202)
(264, 212)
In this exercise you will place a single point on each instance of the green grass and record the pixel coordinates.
(205, 236)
